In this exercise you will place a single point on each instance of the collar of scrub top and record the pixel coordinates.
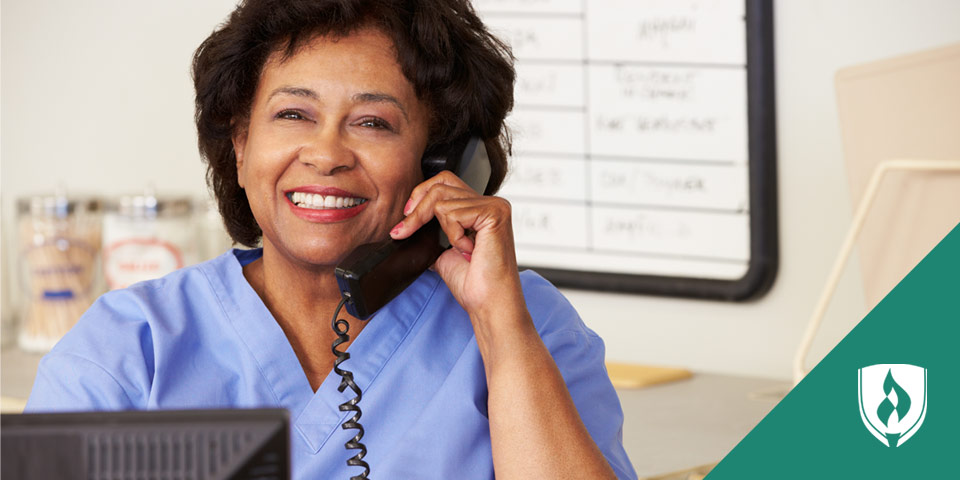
(316, 414)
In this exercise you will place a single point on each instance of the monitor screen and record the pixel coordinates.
(157, 444)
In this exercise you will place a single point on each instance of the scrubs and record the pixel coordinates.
(202, 338)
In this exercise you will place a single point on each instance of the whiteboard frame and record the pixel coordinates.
(762, 159)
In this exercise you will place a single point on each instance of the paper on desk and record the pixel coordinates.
(12, 405)
(625, 375)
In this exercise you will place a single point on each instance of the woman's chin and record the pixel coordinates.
(322, 252)
(321, 260)
(323, 257)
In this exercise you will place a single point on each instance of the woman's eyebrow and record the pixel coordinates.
(364, 97)
(295, 91)
(379, 97)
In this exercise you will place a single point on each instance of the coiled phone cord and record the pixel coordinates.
(341, 327)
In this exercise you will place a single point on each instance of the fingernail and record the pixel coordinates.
(396, 229)
(406, 208)
(466, 255)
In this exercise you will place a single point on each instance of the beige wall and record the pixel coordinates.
(96, 95)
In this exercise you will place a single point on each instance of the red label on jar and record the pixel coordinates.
(136, 259)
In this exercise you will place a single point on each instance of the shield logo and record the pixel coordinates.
(893, 401)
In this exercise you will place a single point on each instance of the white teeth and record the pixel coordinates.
(316, 201)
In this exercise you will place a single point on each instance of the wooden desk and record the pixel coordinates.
(689, 423)
(17, 370)
(667, 428)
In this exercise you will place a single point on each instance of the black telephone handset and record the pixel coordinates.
(374, 273)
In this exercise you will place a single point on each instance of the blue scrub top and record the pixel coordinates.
(202, 338)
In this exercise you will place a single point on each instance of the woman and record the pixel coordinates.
(313, 117)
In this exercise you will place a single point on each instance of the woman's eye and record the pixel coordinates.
(374, 122)
(290, 115)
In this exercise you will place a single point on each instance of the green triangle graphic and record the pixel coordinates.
(816, 431)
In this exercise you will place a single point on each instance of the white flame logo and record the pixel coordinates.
(893, 401)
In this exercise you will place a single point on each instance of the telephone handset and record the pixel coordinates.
(375, 273)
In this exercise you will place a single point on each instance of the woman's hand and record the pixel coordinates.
(550, 441)
(481, 268)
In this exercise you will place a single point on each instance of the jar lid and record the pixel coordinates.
(150, 206)
(57, 205)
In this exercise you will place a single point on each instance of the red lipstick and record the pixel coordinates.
(324, 215)
(317, 189)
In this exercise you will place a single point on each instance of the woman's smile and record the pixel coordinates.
(324, 204)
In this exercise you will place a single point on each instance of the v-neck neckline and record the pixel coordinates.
(314, 414)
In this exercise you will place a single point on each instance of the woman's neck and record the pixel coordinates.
(302, 300)
(291, 290)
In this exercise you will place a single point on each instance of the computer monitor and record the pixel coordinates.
(155, 445)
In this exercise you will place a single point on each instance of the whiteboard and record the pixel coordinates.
(644, 149)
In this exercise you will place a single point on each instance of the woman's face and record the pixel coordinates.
(333, 147)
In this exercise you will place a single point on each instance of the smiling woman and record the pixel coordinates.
(313, 118)
(332, 123)
(337, 120)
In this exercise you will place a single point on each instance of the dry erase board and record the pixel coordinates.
(644, 148)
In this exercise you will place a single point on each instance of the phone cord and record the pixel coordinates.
(341, 327)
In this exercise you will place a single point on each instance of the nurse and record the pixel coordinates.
(313, 117)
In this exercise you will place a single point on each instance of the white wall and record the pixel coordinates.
(97, 95)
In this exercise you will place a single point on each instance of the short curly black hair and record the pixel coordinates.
(464, 74)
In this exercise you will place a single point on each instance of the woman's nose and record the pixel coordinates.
(327, 152)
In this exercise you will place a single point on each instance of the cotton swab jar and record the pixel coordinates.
(59, 240)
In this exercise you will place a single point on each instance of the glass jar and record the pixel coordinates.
(146, 237)
(59, 240)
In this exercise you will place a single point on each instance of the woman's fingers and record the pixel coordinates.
(486, 214)
(460, 214)
(482, 264)
(423, 209)
(479, 226)
(462, 218)
(486, 271)
(445, 177)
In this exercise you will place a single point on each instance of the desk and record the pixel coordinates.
(667, 428)
(17, 369)
(680, 425)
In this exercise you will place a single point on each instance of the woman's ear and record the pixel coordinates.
(239, 140)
